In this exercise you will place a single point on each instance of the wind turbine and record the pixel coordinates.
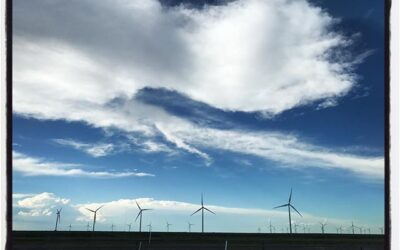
(58, 220)
(168, 224)
(289, 205)
(304, 228)
(202, 208)
(69, 227)
(190, 226)
(381, 228)
(150, 227)
(323, 226)
(129, 226)
(140, 214)
(295, 227)
(270, 227)
(87, 227)
(112, 227)
(352, 227)
(95, 214)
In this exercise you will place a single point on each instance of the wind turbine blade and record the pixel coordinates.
(196, 211)
(99, 208)
(137, 204)
(209, 210)
(90, 210)
(138, 215)
(296, 210)
(290, 196)
(281, 206)
(146, 209)
(202, 199)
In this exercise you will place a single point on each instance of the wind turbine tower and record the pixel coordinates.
(95, 214)
(202, 208)
(190, 226)
(352, 227)
(141, 210)
(270, 227)
(168, 224)
(58, 220)
(289, 205)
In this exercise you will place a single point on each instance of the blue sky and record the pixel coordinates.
(157, 102)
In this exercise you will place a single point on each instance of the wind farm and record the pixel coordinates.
(272, 238)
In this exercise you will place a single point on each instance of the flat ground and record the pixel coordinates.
(192, 241)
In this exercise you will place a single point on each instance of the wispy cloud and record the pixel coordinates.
(31, 166)
(95, 150)
(288, 150)
(19, 195)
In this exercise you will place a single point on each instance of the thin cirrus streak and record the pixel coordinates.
(31, 166)
(95, 150)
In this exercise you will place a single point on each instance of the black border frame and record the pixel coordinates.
(9, 136)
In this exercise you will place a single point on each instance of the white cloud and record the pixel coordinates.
(95, 150)
(31, 166)
(40, 204)
(288, 150)
(19, 196)
(153, 147)
(231, 56)
(245, 55)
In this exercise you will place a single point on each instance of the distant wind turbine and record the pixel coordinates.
(58, 220)
(190, 226)
(150, 227)
(87, 227)
(352, 227)
(270, 227)
(289, 205)
(95, 214)
(168, 224)
(304, 228)
(323, 226)
(141, 210)
(202, 208)
(339, 229)
(129, 226)
(381, 228)
(112, 227)
(295, 227)
(70, 227)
